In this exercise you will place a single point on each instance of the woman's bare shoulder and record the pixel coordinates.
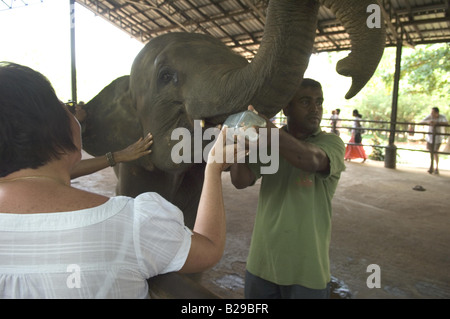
(29, 200)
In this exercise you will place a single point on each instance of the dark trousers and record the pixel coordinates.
(258, 288)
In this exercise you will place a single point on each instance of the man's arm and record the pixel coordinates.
(241, 176)
(426, 120)
(300, 154)
(303, 155)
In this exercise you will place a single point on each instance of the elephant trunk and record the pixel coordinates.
(284, 53)
(275, 73)
(271, 79)
(367, 43)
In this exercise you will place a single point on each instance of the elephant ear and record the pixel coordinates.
(111, 122)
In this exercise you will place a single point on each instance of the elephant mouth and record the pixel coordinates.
(216, 120)
(207, 123)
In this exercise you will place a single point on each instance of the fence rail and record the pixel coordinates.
(377, 126)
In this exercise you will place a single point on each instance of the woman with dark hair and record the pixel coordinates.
(35, 128)
(354, 147)
(57, 241)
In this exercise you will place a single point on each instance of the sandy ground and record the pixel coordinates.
(377, 219)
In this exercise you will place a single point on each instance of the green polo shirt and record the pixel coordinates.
(291, 236)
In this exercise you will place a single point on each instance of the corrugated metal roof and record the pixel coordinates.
(240, 23)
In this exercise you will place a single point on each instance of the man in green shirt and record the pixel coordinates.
(289, 251)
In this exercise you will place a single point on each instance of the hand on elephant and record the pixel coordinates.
(135, 150)
(132, 152)
(266, 139)
(80, 112)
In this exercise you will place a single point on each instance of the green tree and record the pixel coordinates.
(427, 70)
(424, 83)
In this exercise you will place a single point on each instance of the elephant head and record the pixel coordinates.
(178, 78)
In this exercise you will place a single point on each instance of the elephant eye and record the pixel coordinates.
(167, 75)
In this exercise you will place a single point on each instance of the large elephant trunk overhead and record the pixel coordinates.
(284, 53)
(272, 78)
(367, 43)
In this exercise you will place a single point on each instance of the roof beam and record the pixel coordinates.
(257, 11)
(411, 18)
(240, 23)
(167, 15)
(203, 20)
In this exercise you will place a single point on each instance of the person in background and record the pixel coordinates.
(57, 241)
(335, 123)
(289, 250)
(435, 122)
(354, 147)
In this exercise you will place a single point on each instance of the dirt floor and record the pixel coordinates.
(378, 218)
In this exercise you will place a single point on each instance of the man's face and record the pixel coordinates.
(305, 110)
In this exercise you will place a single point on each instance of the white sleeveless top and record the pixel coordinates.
(103, 252)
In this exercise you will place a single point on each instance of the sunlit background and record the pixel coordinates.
(38, 35)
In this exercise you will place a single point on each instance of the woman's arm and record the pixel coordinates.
(208, 240)
(132, 152)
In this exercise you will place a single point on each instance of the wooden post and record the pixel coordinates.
(390, 158)
(72, 47)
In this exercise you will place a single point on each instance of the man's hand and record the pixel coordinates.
(269, 126)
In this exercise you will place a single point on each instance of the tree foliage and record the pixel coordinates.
(427, 70)
(424, 83)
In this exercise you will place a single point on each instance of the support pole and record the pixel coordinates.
(72, 48)
(390, 158)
